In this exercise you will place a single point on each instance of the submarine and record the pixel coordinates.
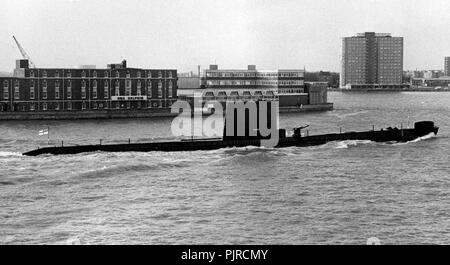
(229, 140)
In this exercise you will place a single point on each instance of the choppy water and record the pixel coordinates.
(338, 193)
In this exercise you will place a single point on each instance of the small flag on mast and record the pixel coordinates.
(43, 132)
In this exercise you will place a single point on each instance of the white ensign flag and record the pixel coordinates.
(43, 132)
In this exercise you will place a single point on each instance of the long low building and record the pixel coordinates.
(116, 87)
(286, 86)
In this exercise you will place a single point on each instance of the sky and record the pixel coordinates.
(181, 34)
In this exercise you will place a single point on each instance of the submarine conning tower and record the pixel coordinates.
(425, 127)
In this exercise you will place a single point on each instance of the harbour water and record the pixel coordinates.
(338, 193)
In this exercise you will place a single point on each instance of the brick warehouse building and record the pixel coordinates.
(87, 89)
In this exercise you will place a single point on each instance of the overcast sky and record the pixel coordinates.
(231, 33)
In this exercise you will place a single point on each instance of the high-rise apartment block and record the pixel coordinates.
(372, 59)
(447, 66)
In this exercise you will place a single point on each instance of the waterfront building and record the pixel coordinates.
(372, 60)
(285, 86)
(432, 83)
(447, 66)
(87, 88)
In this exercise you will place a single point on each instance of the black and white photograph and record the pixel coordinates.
(227, 122)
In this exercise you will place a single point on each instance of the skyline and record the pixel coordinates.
(233, 34)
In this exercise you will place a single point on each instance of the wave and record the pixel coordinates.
(9, 154)
(105, 172)
(423, 138)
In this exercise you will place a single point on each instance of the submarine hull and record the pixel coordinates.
(391, 135)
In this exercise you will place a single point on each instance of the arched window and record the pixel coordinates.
(128, 74)
(69, 74)
(117, 93)
(160, 89)
(106, 90)
(106, 74)
(170, 89)
(139, 74)
(94, 89)
(83, 89)
(139, 86)
(16, 90)
(57, 74)
(117, 74)
(83, 105)
(44, 74)
(149, 74)
(57, 90)
(94, 74)
(149, 88)
(83, 74)
(31, 73)
(44, 89)
(170, 74)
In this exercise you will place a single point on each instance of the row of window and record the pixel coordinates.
(94, 105)
(253, 82)
(106, 74)
(83, 90)
(253, 74)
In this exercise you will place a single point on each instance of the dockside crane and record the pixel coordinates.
(24, 53)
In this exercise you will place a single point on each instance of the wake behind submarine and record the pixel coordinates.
(421, 128)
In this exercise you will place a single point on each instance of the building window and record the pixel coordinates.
(32, 106)
(170, 74)
(69, 105)
(44, 74)
(170, 89)
(69, 74)
(31, 73)
(5, 90)
(149, 89)
(57, 74)
(57, 90)
(117, 93)
(94, 105)
(117, 74)
(139, 86)
(44, 106)
(57, 106)
(128, 104)
(44, 90)
(83, 74)
(138, 74)
(106, 90)
(83, 105)
(69, 89)
(159, 74)
(160, 89)
(83, 89)
(94, 74)
(16, 90)
(94, 89)
(106, 74)
(128, 74)
(117, 105)
(149, 74)
(32, 89)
